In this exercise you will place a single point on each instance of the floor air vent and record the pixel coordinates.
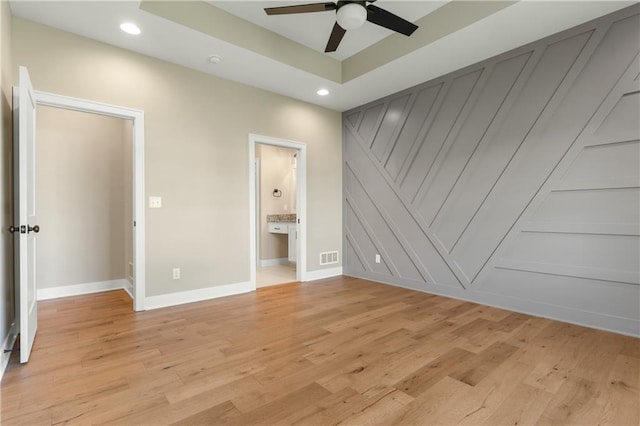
(328, 257)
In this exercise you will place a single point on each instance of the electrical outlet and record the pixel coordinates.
(377, 258)
(176, 273)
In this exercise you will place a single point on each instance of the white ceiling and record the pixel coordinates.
(511, 27)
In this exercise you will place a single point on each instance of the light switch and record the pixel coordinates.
(155, 202)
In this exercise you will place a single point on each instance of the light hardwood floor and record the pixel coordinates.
(336, 351)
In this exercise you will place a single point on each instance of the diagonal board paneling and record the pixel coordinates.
(514, 182)
(389, 220)
(508, 131)
(463, 143)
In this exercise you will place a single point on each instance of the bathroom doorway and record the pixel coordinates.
(278, 211)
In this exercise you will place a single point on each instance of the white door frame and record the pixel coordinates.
(258, 186)
(82, 105)
(301, 208)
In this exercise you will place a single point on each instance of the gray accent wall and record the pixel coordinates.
(513, 182)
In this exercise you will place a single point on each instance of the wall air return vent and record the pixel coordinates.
(328, 257)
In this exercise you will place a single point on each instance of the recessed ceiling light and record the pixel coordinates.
(215, 59)
(323, 92)
(130, 28)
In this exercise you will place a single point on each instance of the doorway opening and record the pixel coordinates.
(84, 184)
(277, 211)
(131, 215)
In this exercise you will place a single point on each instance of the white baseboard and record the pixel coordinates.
(273, 262)
(171, 299)
(8, 343)
(179, 298)
(80, 289)
(322, 273)
(128, 287)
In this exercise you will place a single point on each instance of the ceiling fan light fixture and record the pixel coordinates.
(351, 16)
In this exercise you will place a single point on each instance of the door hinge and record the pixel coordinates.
(134, 223)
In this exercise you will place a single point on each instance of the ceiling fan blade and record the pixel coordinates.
(389, 20)
(300, 8)
(335, 38)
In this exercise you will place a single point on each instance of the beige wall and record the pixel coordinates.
(80, 194)
(276, 171)
(6, 173)
(196, 152)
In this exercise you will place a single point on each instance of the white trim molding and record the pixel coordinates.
(198, 295)
(323, 273)
(129, 288)
(7, 344)
(80, 289)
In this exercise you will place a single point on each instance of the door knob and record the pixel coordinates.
(14, 229)
(35, 229)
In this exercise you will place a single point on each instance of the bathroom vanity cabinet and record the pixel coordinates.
(291, 229)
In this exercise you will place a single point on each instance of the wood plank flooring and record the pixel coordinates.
(336, 351)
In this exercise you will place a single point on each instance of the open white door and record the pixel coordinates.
(24, 103)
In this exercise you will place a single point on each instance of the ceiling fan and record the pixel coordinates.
(349, 16)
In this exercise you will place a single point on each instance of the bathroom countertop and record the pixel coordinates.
(291, 218)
